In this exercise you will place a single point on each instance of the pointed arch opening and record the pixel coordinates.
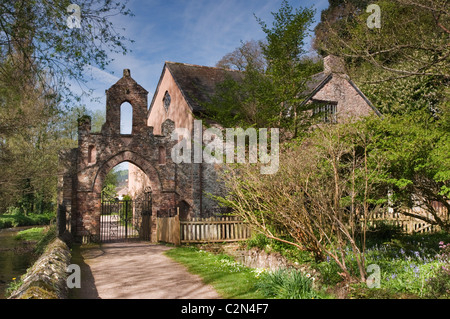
(126, 118)
(125, 213)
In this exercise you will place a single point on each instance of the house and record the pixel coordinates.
(337, 97)
(159, 185)
(183, 89)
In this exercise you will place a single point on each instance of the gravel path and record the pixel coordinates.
(135, 270)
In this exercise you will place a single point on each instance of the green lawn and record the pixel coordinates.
(31, 234)
(230, 279)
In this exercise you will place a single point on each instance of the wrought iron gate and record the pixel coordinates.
(122, 220)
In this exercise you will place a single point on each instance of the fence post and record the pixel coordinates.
(177, 229)
(61, 219)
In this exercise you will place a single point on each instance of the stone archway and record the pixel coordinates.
(85, 168)
(130, 218)
(134, 158)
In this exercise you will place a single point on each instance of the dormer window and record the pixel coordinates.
(166, 101)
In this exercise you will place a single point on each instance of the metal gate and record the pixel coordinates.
(122, 220)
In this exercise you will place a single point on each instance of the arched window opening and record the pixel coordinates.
(126, 118)
(92, 154)
(162, 155)
(166, 101)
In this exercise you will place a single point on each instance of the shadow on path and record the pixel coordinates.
(88, 289)
(135, 270)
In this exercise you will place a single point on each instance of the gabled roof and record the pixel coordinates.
(197, 83)
(127, 81)
(319, 80)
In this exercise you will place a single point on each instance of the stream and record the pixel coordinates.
(15, 257)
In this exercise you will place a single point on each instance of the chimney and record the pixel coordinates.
(333, 64)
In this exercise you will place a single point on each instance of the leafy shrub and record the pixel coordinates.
(15, 218)
(287, 284)
(439, 285)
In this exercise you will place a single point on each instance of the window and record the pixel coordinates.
(126, 118)
(166, 101)
(327, 111)
(91, 154)
(162, 155)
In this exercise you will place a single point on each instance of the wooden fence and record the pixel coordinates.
(200, 230)
(168, 229)
(409, 224)
(214, 229)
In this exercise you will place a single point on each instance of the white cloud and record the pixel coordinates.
(190, 31)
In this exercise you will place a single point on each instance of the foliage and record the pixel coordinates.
(415, 147)
(15, 218)
(34, 234)
(38, 32)
(385, 230)
(229, 278)
(288, 284)
(269, 245)
(317, 199)
(39, 54)
(274, 73)
(412, 40)
(411, 267)
(248, 54)
(439, 285)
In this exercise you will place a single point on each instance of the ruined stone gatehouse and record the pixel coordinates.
(177, 102)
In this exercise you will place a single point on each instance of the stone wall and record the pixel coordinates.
(46, 279)
(257, 258)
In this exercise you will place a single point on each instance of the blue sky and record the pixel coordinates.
(188, 31)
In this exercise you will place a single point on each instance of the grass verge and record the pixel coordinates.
(230, 279)
(233, 280)
(31, 234)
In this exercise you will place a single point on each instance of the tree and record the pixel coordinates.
(416, 149)
(39, 53)
(320, 198)
(412, 40)
(249, 53)
(29, 141)
(284, 52)
(35, 36)
(274, 72)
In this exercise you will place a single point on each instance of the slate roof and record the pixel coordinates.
(198, 83)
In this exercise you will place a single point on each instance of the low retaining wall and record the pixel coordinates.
(46, 279)
(257, 258)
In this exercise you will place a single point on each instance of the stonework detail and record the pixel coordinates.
(85, 168)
